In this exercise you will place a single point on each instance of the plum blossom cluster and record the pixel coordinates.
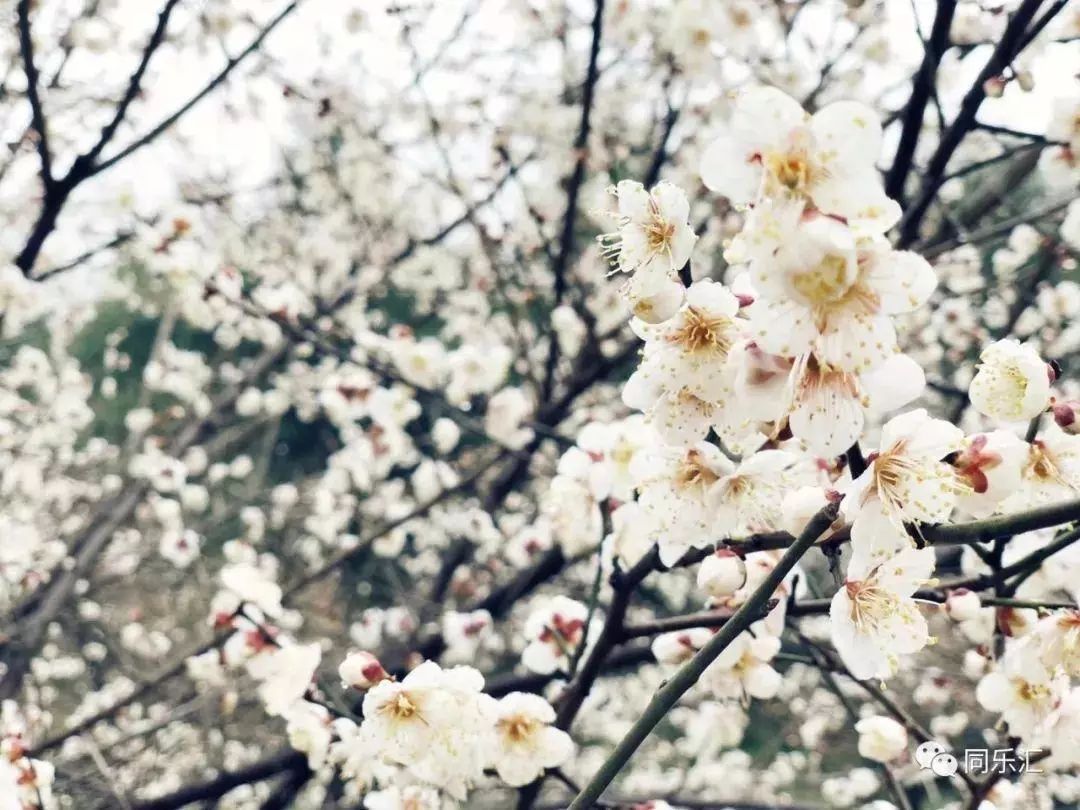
(436, 727)
(785, 367)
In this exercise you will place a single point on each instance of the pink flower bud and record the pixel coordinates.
(362, 670)
(994, 86)
(1065, 416)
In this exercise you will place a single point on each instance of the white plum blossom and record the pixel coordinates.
(881, 739)
(1056, 637)
(906, 479)
(685, 380)
(742, 670)
(526, 742)
(411, 797)
(555, 632)
(824, 290)
(285, 674)
(991, 464)
(963, 605)
(1013, 382)
(875, 620)
(828, 408)
(772, 147)
(1022, 690)
(654, 237)
(749, 499)
(361, 670)
(677, 496)
(436, 723)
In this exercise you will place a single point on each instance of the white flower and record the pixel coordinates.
(465, 634)
(421, 362)
(308, 729)
(614, 446)
(680, 646)
(685, 379)
(906, 479)
(654, 236)
(180, 548)
(881, 738)
(742, 670)
(9, 786)
(825, 291)
(828, 407)
(675, 493)
(652, 301)
(1051, 472)
(1057, 638)
(505, 412)
(875, 620)
(253, 586)
(525, 741)
(285, 674)
(413, 797)
(1070, 226)
(750, 498)
(722, 573)
(555, 632)
(573, 509)
(991, 464)
(436, 723)
(1060, 732)
(772, 147)
(445, 434)
(630, 538)
(1065, 122)
(1022, 691)
(1012, 384)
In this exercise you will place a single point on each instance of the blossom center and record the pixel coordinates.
(402, 707)
(519, 727)
(701, 332)
(825, 283)
(871, 605)
(694, 472)
(790, 169)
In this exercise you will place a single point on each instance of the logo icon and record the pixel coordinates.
(933, 756)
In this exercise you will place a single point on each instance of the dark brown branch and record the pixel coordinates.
(577, 178)
(134, 84)
(287, 761)
(1011, 43)
(922, 87)
(38, 122)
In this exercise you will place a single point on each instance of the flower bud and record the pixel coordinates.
(675, 648)
(963, 605)
(1065, 414)
(1026, 80)
(975, 664)
(994, 87)
(362, 670)
(722, 574)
